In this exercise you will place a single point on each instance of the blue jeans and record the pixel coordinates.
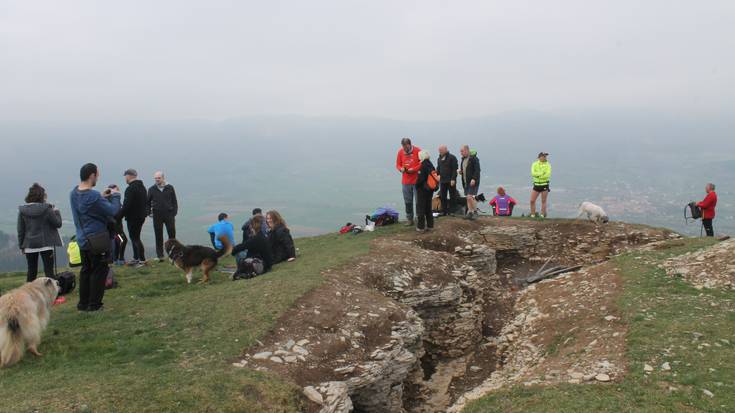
(409, 193)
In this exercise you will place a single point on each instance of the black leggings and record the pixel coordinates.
(134, 228)
(707, 224)
(48, 264)
(121, 242)
(424, 215)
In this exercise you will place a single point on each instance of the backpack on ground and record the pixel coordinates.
(110, 281)
(383, 216)
(67, 280)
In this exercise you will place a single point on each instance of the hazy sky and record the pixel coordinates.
(125, 60)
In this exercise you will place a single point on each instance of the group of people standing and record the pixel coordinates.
(416, 168)
(158, 202)
(98, 218)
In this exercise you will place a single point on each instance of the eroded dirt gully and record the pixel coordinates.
(426, 322)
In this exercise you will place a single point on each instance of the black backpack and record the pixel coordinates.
(695, 212)
(67, 280)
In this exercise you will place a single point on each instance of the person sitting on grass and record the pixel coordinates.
(258, 259)
(279, 238)
(220, 229)
(503, 203)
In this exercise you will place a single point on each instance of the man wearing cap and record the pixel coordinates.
(134, 211)
(408, 164)
(541, 174)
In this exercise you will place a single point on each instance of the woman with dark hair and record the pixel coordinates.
(38, 225)
(279, 238)
(259, 258)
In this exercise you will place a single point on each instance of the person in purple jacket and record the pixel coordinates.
(502, 204)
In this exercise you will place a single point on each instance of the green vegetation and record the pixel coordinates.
(163, 345)
(669, 321)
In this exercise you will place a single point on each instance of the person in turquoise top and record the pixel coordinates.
(222, 228)
(541, 174)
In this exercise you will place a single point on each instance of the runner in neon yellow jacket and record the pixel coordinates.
(541, 174)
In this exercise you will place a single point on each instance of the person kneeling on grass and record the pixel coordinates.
(279, 238)
(502, 204)
(258, 259)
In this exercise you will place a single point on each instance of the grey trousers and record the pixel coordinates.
(409, 194)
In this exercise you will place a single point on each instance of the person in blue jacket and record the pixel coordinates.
(92, 212)
(222, 227)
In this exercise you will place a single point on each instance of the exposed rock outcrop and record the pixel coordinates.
(712, 267)
(397, 330)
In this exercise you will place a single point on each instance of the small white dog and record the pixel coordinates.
(594, 212)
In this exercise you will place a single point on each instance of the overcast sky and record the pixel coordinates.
(140, 60)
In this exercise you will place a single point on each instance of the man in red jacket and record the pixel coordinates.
(708, 209)
(408, 164)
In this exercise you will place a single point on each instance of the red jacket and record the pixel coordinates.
(708, 205)
(411, 162)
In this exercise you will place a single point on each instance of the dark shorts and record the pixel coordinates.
(541, 188)
(471, 190)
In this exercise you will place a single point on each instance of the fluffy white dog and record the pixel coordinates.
(594, 212)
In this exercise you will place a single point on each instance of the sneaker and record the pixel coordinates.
(161, 259)
(139, 264)
(409, 223)
(420, 231)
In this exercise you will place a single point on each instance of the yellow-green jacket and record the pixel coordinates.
(541, 173)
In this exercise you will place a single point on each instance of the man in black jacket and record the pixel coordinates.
(470, 171)
(163, 207)
(134, 210)
(446, 167)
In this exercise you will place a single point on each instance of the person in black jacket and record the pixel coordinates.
(38, 231)
(134, 210)
(446, 167)
(279, 238)
(424, 214)
(470, 171)
(163, 207)
(120, 240)
(259, 259)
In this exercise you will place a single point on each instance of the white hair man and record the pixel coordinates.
(163, 207)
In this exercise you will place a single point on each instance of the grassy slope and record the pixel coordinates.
(663, 332)
(162, 345)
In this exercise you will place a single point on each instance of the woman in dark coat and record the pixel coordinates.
(424, 214)
(258, 259)
(38, 231)
(279, 238)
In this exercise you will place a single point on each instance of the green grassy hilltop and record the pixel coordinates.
(162, 345)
